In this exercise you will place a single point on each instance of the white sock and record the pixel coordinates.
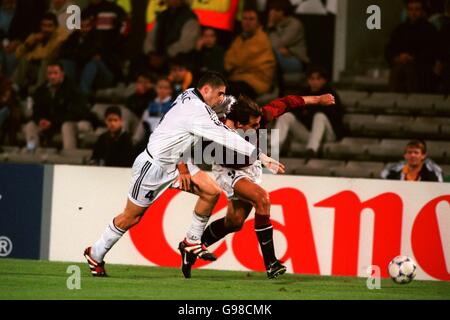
(198, 224)
(110, 236)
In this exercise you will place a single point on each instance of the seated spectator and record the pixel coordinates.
(34, 54)
(210, 55)
(250, 61)
(155, 111)
(176, 30)
(59, 106)
(113, 148)
(87, 60)
(144, 93)
(10, 114)
(59, 8)
(313, 125)
(412, 52)
(8, 59)
(180, 76)
(415, 167)
(287, 36)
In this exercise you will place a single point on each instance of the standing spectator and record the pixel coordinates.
(8, 59)
(10, 115)
(59, 106)
(59, 8)
(180, 76)
(176, 30)
(313, 124)
(27, 19)
(287, 36)
(113, 148)
(155, 111)
(412, 52)
(250, 61)
(415, 167)
(144, 93)
(87, 60)
(34, 54)
(210, 55)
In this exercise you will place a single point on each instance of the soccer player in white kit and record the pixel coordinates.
(156, 168)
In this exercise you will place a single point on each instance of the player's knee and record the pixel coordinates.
(263, 202)
(212, 194)
(235, 224)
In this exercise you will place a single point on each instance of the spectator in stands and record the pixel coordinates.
(313, 124)
(59, 106)
(34, 54)
(155, 111)
(180, 76)
(10, 115)
(250, 61)
(412, 52)
(113, 148)
(415, 167)
(287, 36)
(8, 59)
(442, 68)
(87, 60)
(144, 93)
(27, 19)
(109, 21)
(59, 8)
(176, 30)
(210, 55)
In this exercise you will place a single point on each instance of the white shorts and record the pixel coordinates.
(149, 180)
(227, 177)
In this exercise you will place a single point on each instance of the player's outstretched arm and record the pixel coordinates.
(273, 165)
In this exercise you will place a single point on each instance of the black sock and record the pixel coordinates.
(265, 238)
(214, 232)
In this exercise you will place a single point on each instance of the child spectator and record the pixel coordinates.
(313, 124)
(155, 111)
(114, 147)
(144, 93)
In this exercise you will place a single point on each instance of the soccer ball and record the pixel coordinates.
(402, 269)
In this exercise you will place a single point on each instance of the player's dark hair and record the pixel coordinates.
(113, 110)
(56, 63)
(243, 109)
(281, 5)
(49, 16)
(320, 70)
(212, 78)
(419, 144)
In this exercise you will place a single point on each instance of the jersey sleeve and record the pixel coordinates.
(278, 107)
(206, 124)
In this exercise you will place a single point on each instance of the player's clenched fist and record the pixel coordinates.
(327, 100)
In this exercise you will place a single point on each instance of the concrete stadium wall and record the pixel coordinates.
(322, 226)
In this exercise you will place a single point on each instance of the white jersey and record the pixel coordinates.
(185, 124)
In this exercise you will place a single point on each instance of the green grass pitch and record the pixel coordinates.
(26, 279)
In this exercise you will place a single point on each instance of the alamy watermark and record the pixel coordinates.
(373, 281)
(74, 280)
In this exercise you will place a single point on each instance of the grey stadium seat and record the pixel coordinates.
(350, 99)
(419, 103)
(349, 148)
(317, 167)
(355, 169)
(381, 102)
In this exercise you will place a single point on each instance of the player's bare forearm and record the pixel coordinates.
(325, 99)
(182, 168)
